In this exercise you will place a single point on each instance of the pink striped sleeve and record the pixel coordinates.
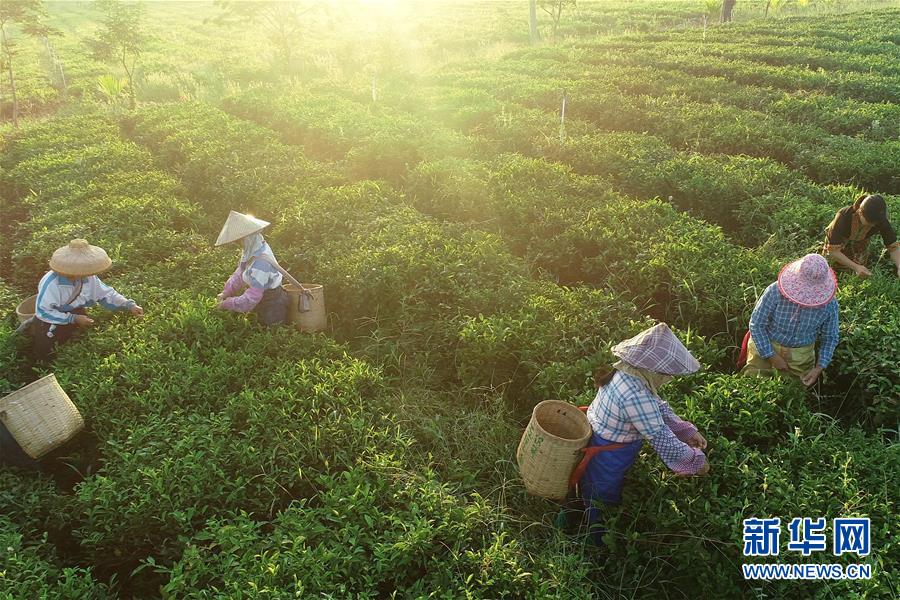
(234, 283)
(245, 302)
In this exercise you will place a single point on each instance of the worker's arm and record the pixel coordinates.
(245, 302)
(47, 301)
(234, 283)
(762, 312)
(643, 411)
(836, 254)
(683, 430)
(105, 295)
(829, 335)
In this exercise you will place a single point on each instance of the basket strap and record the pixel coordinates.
(589, 453)
(75, 293)
(280, 269)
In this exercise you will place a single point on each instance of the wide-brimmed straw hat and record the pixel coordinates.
(80, 259)
(659, 350)
(238, 225)
(808, 281)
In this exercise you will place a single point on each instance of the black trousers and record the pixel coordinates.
(272, 309)
(44, 348)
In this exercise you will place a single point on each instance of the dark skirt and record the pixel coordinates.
(272, 309)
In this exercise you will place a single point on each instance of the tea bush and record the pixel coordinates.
(223, 459)
(377, 530)
(869, 320)
(30, 569)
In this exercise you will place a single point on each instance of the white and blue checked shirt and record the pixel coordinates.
(625, 410)
(791, 325)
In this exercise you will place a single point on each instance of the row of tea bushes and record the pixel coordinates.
(875, 121)
(742, 194)
(388, 269)
(190, 425)
(377, 531)
(719, 128)
(91, 184)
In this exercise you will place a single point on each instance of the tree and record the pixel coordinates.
(535, 36)
(121, 38)
(29, 16)
(727, 9)
(282, 20)
(554, 8)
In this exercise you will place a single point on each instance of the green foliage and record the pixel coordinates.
(29, 569)
(442, 211)
(870, 317)
(377, 531)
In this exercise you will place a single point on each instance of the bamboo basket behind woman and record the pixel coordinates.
(551, 448)
(40, 416)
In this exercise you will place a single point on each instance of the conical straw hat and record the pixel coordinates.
(239, 225)
(80, 259)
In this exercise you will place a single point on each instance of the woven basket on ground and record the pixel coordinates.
(25, 309)
(314, 319)
(551, 447)
(40, 416)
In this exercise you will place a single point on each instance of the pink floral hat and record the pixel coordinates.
(808, 281)
(659, 350)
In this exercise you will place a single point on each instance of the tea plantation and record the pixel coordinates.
(479, 254)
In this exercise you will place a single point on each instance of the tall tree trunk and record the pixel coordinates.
(727, 8)
(535, 36)
(12, 78)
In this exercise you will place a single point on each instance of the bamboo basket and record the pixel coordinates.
(25, 309)
(40, 416)
(314, 319)
(551, 448)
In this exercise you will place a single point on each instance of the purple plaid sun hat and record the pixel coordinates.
(659, 350)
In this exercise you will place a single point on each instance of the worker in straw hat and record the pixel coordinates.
(790, 316)
(255, 284)
(628, 410)
(67, 289)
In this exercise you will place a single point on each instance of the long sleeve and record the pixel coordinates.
(683, 430)
(47, 301)
(765, 306)
(829, 334)
(106, 296)
(245, 302)
(234, 283)
(677, 455)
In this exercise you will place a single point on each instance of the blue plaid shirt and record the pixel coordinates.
(625, 410)
(791, 325)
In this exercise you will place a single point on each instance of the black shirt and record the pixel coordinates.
(839, 231)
